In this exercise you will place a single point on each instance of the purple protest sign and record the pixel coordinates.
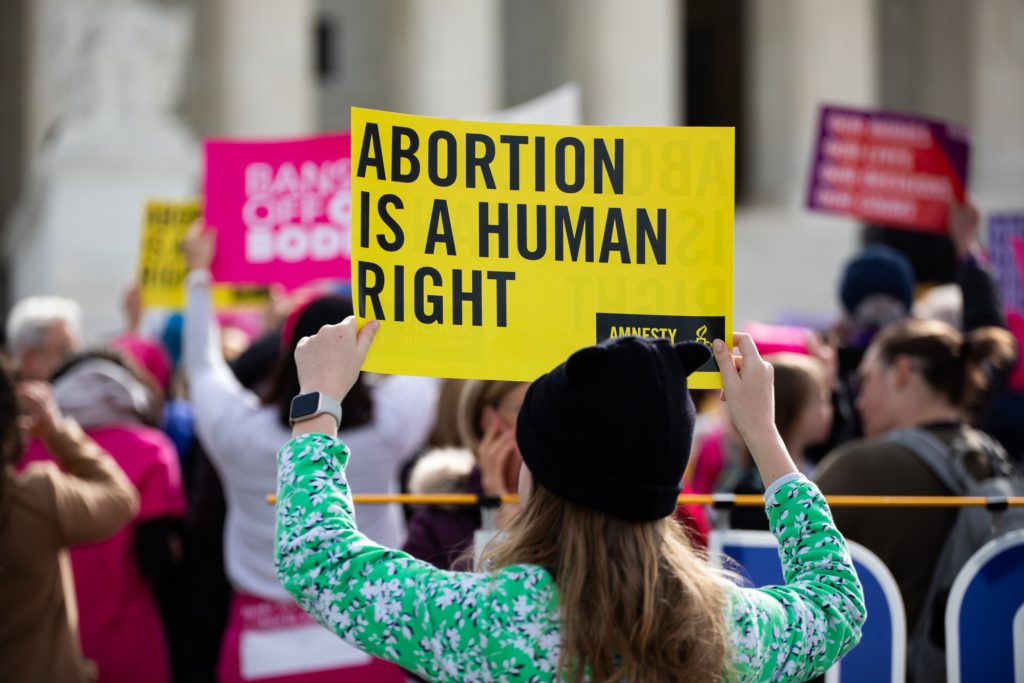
(1006, 250)
(1018, 254)
(886, 168)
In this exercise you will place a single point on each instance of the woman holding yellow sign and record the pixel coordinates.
(594, 581)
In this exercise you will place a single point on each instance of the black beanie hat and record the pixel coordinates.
(878, 269)
(611, 428)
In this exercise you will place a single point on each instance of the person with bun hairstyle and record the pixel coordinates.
(594, 580)
(917, 377)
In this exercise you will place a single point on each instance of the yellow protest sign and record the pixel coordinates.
(495, 250)
(162, 266)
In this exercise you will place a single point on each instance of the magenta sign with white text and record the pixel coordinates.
(281, 209)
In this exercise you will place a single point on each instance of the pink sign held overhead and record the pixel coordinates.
(281, 209)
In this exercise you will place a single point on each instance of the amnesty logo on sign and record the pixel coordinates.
(675, 328)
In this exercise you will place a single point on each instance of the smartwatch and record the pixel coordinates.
(308, 406)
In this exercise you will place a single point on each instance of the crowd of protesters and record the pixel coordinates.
(137, 543)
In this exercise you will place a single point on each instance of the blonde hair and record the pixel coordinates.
(651, 609)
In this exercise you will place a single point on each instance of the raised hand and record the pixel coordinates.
(494, 453)
(199, 246)
(964, 226)
(748, 387)
(41, 417)
(330, 360)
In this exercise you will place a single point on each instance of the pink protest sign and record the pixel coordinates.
(888, 169)
(281, 209)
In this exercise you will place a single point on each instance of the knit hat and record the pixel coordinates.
(97, 392)
(149, 354)
(611, 428)
(877, 270)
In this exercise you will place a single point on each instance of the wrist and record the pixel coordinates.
(198, 277)
(313, 388)
(771, 456)
(52, 430)
(321, 424)
(492, 487)
(765, 434)
(309, 406)
(974, 253)
(58, 434)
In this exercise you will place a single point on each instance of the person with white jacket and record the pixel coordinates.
(241, 433)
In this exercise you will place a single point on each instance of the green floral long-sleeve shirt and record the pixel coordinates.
(504, 626)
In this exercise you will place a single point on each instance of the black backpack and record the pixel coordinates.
(973, 528)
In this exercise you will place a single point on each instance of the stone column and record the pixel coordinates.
(105, 139)
(925, 57)
(361, 55)
(448, 57)
(256, 68)
(628, 59)
(14, 119)
(803, 53)
(997, 103)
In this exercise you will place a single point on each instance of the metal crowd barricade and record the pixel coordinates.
(718, 500)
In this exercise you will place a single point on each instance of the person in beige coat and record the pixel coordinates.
(43, 510)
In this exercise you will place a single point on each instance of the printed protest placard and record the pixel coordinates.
(281, 209)
(1006, 251)
(888, 169)
(494, 250)
(162, 266)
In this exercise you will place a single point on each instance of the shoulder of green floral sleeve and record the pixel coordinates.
(527, 579)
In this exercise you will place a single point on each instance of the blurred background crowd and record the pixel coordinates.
(161, 492)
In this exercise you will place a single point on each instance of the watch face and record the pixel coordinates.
(304, 404)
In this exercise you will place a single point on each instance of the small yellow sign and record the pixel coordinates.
(495, 250)
(162, 266)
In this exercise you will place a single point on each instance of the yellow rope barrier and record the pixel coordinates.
(738, 500)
